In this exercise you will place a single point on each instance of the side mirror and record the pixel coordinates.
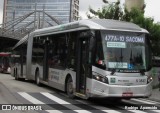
(90, 35)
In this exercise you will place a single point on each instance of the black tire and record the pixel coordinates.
(16, 75)
(37, 78)
(69, 88)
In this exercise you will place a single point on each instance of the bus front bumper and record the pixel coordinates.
(99, 89)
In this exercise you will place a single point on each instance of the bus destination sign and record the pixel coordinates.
(124, 38)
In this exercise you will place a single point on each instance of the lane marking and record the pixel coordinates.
(146, 102)
(100, 107)
(30, 98)
(60, 101)
(53, 111)
(149, 101)
(82, 111)
(111, 111)
(137, 111)
(158, 111)
(54, 98)
(36, 101)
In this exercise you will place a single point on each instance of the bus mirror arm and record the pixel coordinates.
(92, 43)
(86, 34)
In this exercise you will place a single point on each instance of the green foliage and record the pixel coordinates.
(109, 11)
(114, 11)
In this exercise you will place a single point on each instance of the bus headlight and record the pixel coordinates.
(9, 70)
(99, 77)
(149, 79)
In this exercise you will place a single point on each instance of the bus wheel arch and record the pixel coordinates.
(37, 80)
(69, 86)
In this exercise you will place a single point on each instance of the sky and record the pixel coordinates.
(1, 10)
(151, 9)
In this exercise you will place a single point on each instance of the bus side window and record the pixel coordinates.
(38, 51)
(58, 51)
(99, 54)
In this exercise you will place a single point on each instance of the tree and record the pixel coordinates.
(155, 38)
(137, 16)
(114, 11)
(109, 11)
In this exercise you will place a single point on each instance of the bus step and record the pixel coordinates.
(81, 95)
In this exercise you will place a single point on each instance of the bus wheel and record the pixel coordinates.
(14, 73)
(37, 78)
(70, 88)
(16, 76)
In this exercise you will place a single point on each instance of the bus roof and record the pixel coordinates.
(103, 24)
(21, 41)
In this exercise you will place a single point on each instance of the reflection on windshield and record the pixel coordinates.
(124, 51)
(131, 58)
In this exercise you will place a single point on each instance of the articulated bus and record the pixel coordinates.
(88, 58)
(5, 62)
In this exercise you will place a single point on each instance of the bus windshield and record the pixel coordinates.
(125, 51)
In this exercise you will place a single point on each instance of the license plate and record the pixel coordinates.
(127, 94)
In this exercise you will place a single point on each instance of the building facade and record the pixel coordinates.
(134, 3)
(63, 10)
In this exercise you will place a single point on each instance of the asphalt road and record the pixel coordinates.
(9, 88)
(25, 95)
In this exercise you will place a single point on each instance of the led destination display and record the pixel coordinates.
(124, 38)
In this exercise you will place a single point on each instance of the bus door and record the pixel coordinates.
(45, 61)
(81, 65)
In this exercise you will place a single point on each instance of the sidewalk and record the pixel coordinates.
(155, 95)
